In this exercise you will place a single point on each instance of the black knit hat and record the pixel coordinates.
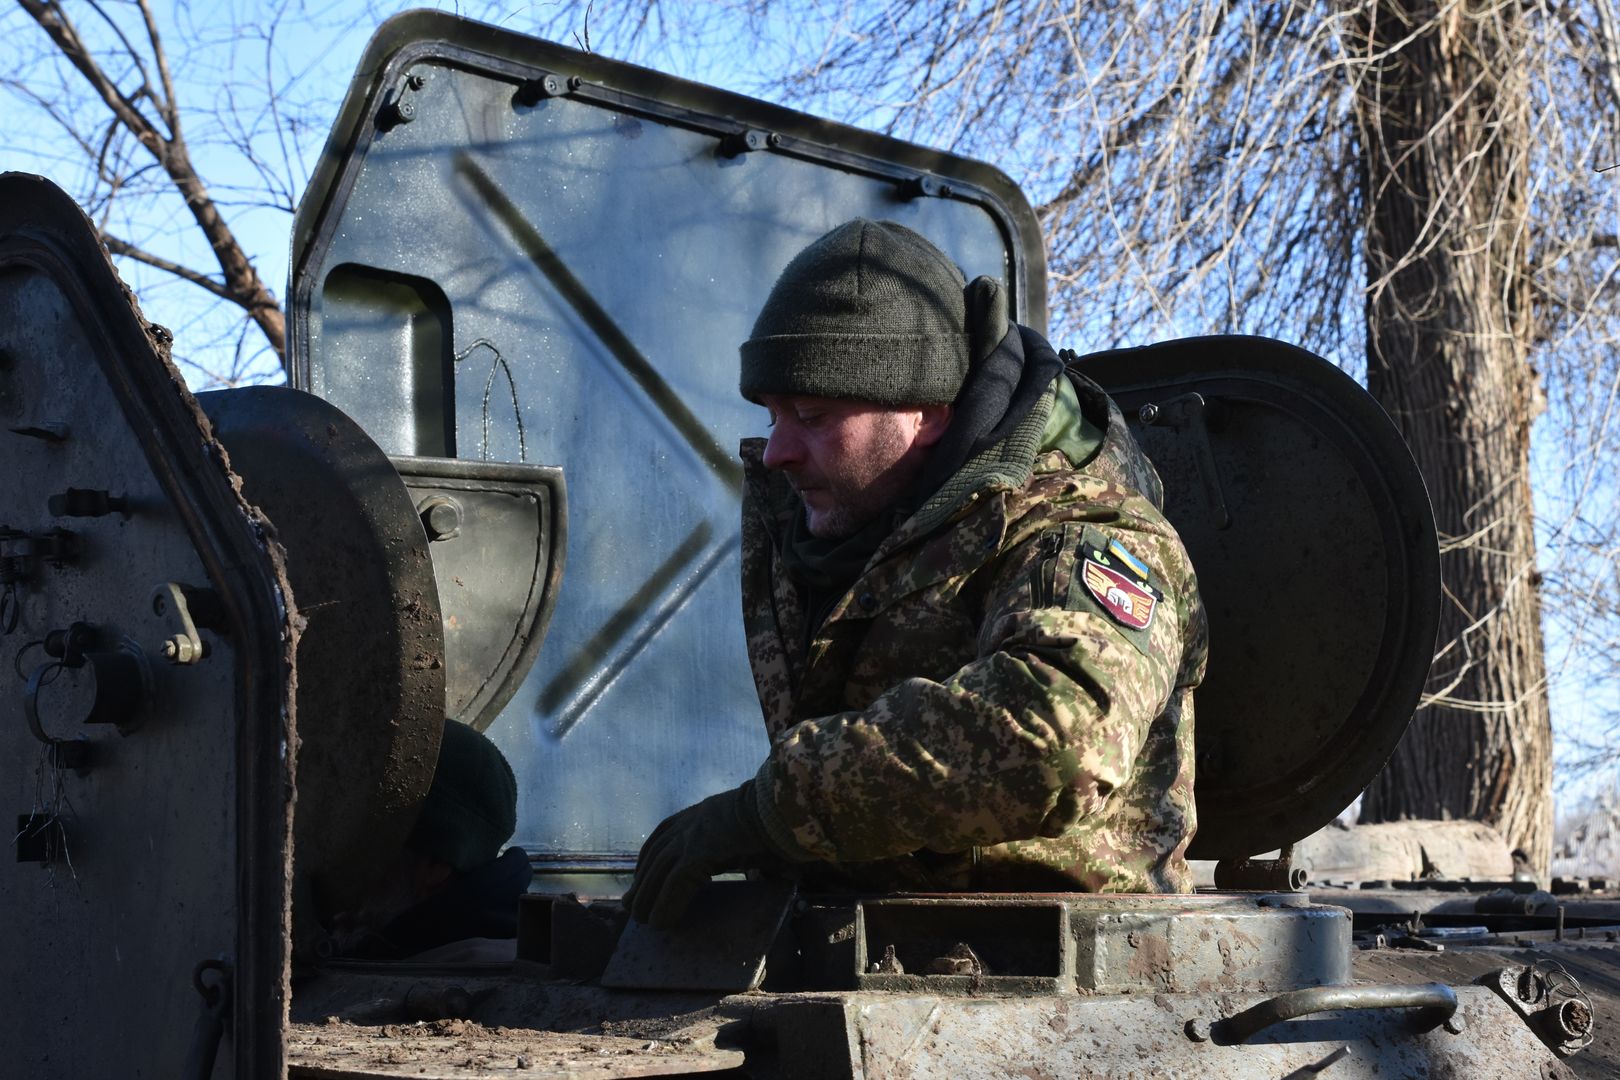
(870, 311)
(471, 809)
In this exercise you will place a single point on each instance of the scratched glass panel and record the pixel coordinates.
(600, 270)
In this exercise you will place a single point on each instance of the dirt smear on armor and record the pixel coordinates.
(466, 1050)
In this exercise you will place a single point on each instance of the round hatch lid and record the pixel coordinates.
(370, 664)
(1314, 543)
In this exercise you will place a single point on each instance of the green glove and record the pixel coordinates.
(723, 832)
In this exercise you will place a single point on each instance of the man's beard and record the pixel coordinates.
(864, 491)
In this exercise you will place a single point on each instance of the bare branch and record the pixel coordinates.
(50, 17)
(119, 247)
(241, 280)
(170, 105)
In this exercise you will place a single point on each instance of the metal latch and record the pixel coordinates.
(533, 91)
(401, 105)
(186, 647)
(747, 141)
(1193, 413)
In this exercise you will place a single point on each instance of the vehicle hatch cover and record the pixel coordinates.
(371, 673)
(1314, 543)
(146, 637)
(517, 253)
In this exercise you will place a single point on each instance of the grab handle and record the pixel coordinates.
(1436, 1002)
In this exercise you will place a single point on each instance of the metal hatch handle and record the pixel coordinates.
(1192, 411)
(1436, 1002)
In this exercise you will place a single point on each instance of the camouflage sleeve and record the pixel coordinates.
(1026, 740)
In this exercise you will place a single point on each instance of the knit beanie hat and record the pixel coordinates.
(871, 311)
(471, 809)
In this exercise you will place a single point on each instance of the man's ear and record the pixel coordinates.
(935, 420)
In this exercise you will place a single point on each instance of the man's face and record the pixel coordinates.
(848, 460)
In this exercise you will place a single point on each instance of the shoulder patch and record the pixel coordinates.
(1119, 581)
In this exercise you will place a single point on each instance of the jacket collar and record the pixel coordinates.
(1004, 467)
(976, 489)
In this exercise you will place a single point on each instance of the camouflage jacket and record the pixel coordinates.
(1003, 700)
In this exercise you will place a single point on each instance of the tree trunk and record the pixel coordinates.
(1443, 110)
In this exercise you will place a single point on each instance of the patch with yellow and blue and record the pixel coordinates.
(1119, 581)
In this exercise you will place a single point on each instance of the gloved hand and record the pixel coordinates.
(723, 832)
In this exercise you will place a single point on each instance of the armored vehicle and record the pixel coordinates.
(501, 489)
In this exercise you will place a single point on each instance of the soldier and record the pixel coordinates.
(451, 895)
(973, 633)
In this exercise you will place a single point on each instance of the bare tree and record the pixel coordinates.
(1443, 110)
(135, 83)
(188, 132)
(1408, 187)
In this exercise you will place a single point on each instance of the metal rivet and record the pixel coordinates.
(747, 141)
(441, 517)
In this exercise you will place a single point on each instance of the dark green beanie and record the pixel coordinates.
(870, 311)
(471, 809)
